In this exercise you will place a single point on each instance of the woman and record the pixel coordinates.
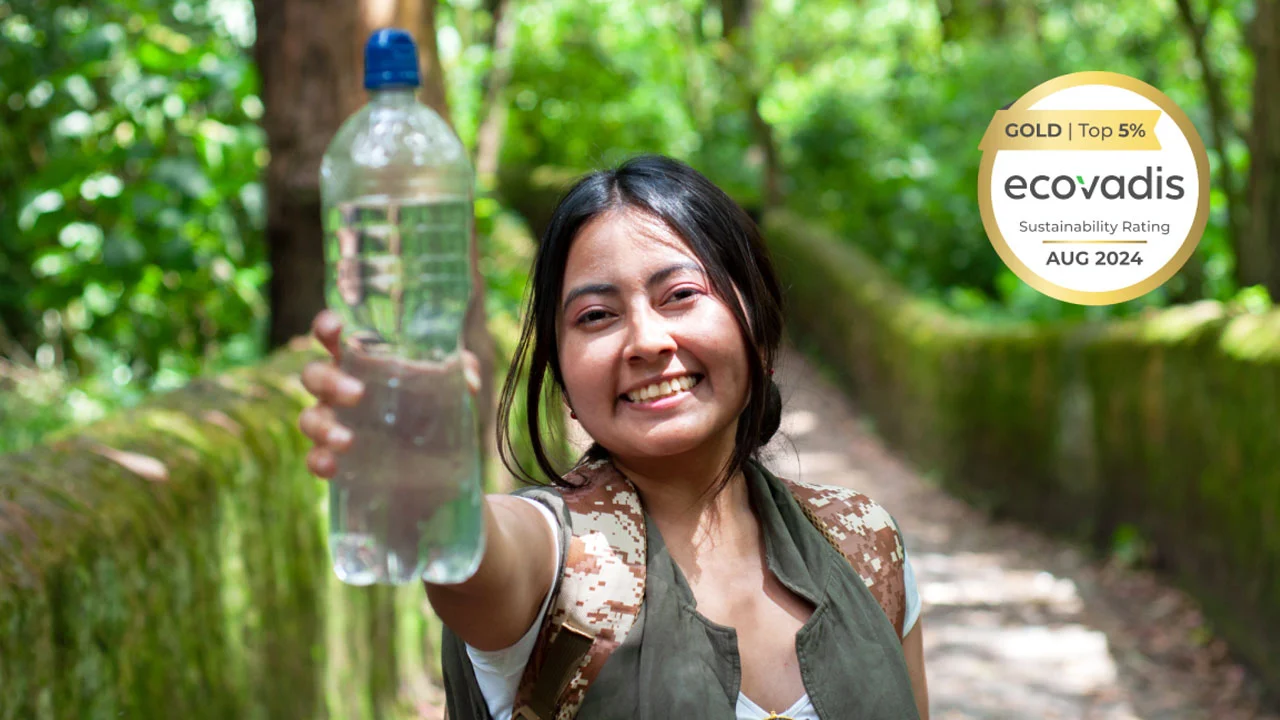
(656, 316)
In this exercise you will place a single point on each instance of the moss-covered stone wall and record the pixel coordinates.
(171, 562)
(1169, 424)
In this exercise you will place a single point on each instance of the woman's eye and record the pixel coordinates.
(683, 294)
(591, 316)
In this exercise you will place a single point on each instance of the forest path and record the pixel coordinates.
(1016, 624)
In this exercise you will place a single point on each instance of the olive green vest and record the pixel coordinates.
(675, 663)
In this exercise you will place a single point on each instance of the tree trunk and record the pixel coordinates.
(771, 190)
(737, 16)
(1258, 257)
(494, 110)
(311, 83)
(487, 148)
(1220, 127)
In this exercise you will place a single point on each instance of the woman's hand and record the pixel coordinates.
(334, 388)
(497, 605)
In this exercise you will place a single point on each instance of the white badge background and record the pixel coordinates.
(1174, 158)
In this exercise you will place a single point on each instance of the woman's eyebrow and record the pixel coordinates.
(610, 289)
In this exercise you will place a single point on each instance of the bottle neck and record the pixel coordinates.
(393, 96)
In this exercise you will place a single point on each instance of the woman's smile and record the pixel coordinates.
(661, 395)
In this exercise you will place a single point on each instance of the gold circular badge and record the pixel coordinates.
(1094, 187)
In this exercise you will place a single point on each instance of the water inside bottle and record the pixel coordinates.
(405, 503)
(401, 274)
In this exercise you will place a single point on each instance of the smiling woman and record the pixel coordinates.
(637, 264)
(668, 573)
(648, 317)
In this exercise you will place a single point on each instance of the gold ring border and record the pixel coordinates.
(1189, 244)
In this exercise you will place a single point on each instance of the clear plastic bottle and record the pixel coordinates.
(405, 501)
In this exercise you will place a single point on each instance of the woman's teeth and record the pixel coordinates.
(662, 389)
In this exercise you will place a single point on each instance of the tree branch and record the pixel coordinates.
(11, 349)
(493, 111)
(1220, 123)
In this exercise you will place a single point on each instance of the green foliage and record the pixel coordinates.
(595, 82)
(130, 203)
(876, 109)
(1128, 547)
(508, 252)
(130, 158)
(883, 134)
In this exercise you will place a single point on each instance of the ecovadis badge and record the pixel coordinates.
(1094, 187)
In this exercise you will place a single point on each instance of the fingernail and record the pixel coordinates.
(351, 386)
(339, 436)
(473, 378)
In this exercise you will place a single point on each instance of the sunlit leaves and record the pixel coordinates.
(46, 202)
(881, 122)
(597, 81)
(130, 156)
(130, 201)
(876, 115)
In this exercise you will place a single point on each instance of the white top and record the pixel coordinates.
(498, 671)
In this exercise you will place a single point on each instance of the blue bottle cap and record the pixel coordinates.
(390, 58)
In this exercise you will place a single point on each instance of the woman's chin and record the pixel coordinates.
(667, 440)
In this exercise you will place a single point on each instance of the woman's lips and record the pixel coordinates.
(665, 402)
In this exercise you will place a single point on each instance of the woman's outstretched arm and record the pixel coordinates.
(495, 607)
(913, 648)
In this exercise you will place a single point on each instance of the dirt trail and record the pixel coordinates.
(1016, 625)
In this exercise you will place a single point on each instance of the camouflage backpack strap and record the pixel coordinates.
(599, 596)
(864, 532)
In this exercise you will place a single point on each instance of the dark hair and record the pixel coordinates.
(727, 243)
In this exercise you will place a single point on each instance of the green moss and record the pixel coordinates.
(1165, 422)
(1253, 337)
(201, 592)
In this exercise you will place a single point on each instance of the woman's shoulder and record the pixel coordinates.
(592, 497)
(866, 534)
(845, 507)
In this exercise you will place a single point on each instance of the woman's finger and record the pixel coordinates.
(330, 385)
(315, 378)
(310, 422)
(320, 424)
(327, 328)
(321, 462)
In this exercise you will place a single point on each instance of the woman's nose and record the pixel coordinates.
(649, 338)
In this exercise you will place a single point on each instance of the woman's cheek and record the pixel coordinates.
(582, 379)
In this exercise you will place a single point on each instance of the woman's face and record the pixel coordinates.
(653, 363)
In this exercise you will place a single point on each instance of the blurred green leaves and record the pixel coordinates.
(594, 82)
(882, 132)
(130, 202)
(131, 205)
(876, 106)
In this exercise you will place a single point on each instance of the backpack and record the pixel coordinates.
(602, 586)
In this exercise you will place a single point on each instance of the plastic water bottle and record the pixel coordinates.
(405, 501)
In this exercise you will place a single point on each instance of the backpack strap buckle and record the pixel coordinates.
(564, 655)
